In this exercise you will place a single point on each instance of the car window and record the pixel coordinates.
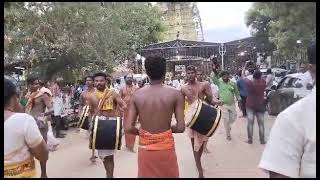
(284, 83)
(294, 81)
(291, 82)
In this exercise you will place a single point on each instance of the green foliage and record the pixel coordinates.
(283, 23)
(61, 37)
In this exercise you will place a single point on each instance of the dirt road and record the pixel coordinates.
(233, 158)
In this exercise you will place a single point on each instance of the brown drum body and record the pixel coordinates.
(106, 133)
(205, 119)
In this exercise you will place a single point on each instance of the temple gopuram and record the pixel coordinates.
(182, 17)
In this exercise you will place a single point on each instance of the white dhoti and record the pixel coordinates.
(102, 153)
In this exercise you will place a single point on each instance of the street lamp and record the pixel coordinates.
(222, 52)
(241, 53)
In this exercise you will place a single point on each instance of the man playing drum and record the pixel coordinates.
(108, 110)
(193, 91)
(155, 104)
(83, 103)
(201, 78)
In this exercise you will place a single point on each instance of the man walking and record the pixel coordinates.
(255, 105)
(193, 91)
(84, 101)
(243, 94)
(126, 94)
(36, 106)
(155, 104)
(228, 91)
(108, 110)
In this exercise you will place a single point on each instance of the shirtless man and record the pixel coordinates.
(109, 109)
(193, 91)
(155, 105)
(201, 78)
(37, 104)
(84, 95)
(83, 101)
(126, 94)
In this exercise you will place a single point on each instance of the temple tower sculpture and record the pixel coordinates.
(181, 18)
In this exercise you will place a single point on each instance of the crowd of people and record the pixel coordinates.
(147, 111)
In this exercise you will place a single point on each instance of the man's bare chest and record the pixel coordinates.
(38, 102)
(194, 91)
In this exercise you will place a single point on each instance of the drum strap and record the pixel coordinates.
(94, 117)
(103, 99)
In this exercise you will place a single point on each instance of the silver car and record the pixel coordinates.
(285, 93)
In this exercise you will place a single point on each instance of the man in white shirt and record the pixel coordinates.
(291, 149)
(177, 82)
(249, 72)
(117, 85)
(58, 108)
(269, 79)
(305, 78)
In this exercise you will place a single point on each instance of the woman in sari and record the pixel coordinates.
(22, 138)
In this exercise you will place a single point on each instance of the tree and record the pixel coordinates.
(284, 23)
(59, 37)
(259, 23)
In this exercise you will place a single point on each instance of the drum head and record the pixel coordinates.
(107, 134)
(206, 120)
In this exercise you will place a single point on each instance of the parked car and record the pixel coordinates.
(284, 94)
(278, 74)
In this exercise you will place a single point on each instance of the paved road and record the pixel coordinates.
(227, 158)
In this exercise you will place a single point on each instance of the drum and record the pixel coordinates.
(106, 133)
(84, 121)
(203, 118)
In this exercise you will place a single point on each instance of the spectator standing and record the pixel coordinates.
(243, 94)
(228, 91)
(22, 138)
(291, 148)
(255, 105)
(269, 79)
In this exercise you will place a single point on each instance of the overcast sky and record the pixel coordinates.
(224, 21)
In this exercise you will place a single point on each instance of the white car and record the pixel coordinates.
(285, 93)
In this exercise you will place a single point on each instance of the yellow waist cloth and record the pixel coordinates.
(108, 103)
(24, 169)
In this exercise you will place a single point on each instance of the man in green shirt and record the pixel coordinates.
(227, 92)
